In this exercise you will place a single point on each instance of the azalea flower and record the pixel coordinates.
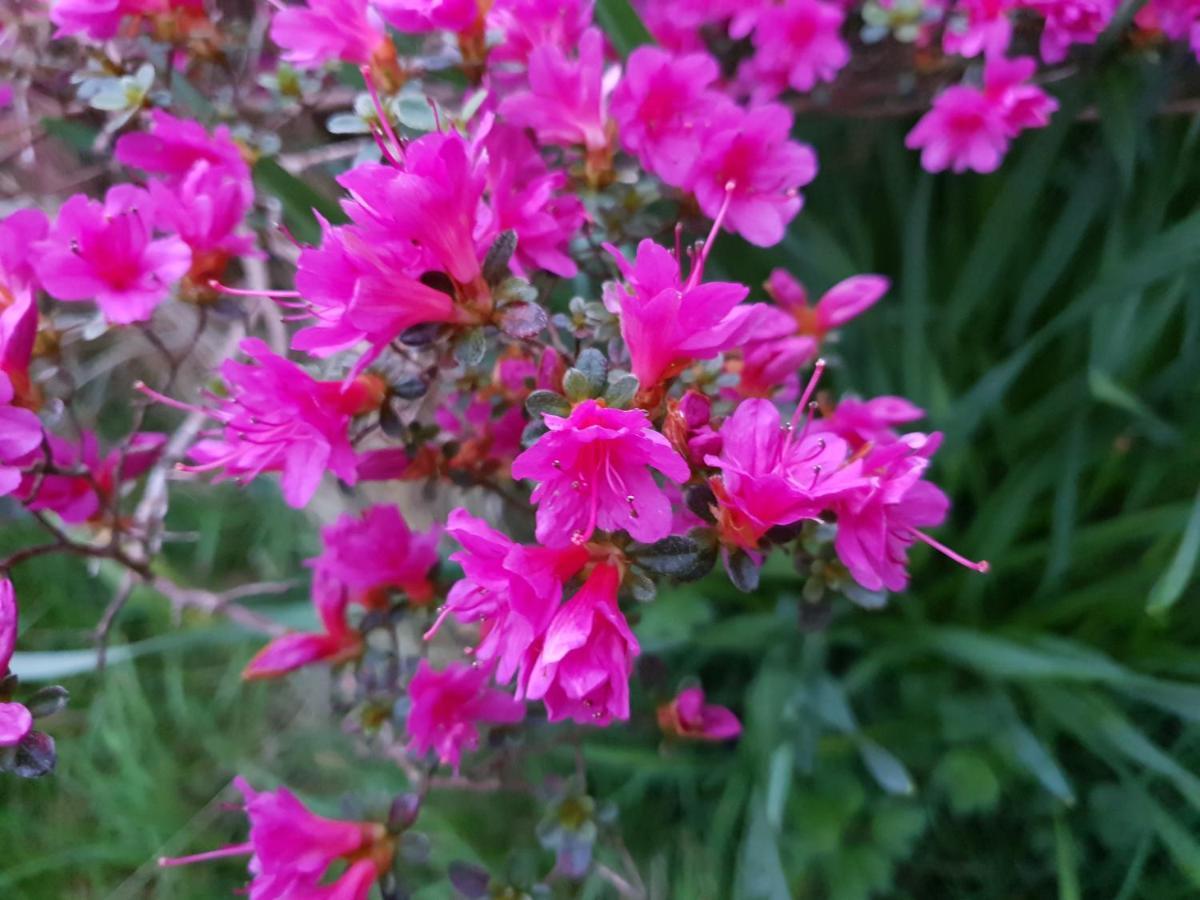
(566, 102)
(317, 32)
(749, 165)
(979, 26)
(525, 196)
(668, 322)
(582, 668)
(969, 128)
(511, 589)
(877, 523)
(770, 475)
(78, 498)
(846, 300)
(278, 418)
(19, 232)
(16, 722)
(367, 556)
(417, 16)
(799, 43)
(173, 146)
(868, 422)
(593, 469)
(688, 716)
(449, 705)
(336, 643)
(1070, 22)
(664, 107)
(101, 20)
(1177, 19)
(525, 25)
(105, 252)
(291, 849)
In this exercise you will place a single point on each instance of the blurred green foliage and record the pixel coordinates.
(1031, 733)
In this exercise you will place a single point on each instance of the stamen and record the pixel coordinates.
(166, 862)
(818, 369)
(981, 566)
(244, 292)
(698, 264)
(384, 122)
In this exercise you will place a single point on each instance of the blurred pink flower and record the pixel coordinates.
(1177, 19)
(799, 44)
(173, 146)
(20, 436)
(664, 107)
(1070, 22)
(15, 720)
(18, 307)
(79, 498)
(567, 99)
(316, 32)
(584, 662)
(525, 25)
(688, 716)
(365, 556)
(336, 643)
(863, 422)
(205, 208)
(278, 418)
(846, 300)
(105, 252)
(417, 16)
(593, 469)
(291, 849)
(449, 705)
(979, 26)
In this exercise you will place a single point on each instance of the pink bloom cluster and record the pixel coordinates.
(103, 20)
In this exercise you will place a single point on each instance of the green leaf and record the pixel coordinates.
(1169, 587)
(889, 773)
(1106, 390)
(1037, 760)
(298, 199)
(760, 868)
(968, 781)
(1066, 859)
(623, 25)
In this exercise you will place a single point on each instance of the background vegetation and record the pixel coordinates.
(1033, 733)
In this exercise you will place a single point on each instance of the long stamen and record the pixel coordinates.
(818, 369)
(981, 566)
(246, 849)
(384, 122)
(143, 388)
(698, 265)
(244, 292)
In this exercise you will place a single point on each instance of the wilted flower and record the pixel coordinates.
(449, 705)
(688, 716)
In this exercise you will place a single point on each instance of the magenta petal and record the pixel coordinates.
(15, 723)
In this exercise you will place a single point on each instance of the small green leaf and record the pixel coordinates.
(889, 773)
(623, 25)
(541, 402)
(1169, 587)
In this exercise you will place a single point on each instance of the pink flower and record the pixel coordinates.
(1070, 22)
(291, 849)
(336, 643)
(448, 706)
(749, 163)
(530, 199)
(688, 716)
(567, 99)
(15, 720)
(317, 32)
(582, 669)
(98, 20)
(513, 590)
(20, 436)
(173, 146)
(979, 26)
(863, 422)
(104, 252)
(278, 418)
(18, 309)
(81, 498)
(968, 128)
(773, 354)
(878, 523)
(359, 288)
(772, 476)
(417, 16)
(367, 556)
(668, 322)
(664, 108)
(432, 201)
(593, 469)
(843, 302)
(205, 208)
(800, 43)
(1177, 19)
(525, 25)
